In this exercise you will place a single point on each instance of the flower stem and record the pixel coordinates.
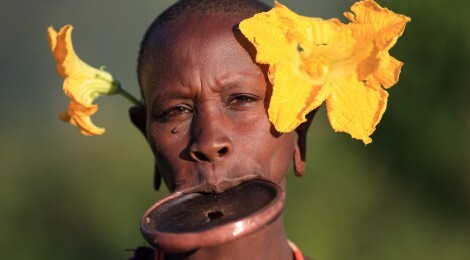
(130, 97)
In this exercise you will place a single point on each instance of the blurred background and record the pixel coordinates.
(67, 196)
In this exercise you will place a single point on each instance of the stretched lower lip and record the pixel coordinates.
(183, 222)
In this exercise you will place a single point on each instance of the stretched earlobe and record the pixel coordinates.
(138, 117)
(300, 151)
(157, 180)
(299, 162)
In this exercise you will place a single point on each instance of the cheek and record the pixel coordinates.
(273, 153)
(280, 160)
(169, 147)
(167, 140)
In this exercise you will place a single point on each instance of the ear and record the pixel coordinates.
(138, 117)
(300, 151)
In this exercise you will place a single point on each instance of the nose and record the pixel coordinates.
(211, 139)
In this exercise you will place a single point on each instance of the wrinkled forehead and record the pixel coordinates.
(198, 26)
(193, 40)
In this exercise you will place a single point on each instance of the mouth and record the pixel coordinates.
(221, 186)
(185, 221)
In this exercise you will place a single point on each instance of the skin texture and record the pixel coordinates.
(206, 122)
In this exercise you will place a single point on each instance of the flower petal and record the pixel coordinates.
(355, 108)
(87, 127)
(79, 115)
(388, 72)
(265, 32)
(64, 54)
(388, 25)
(58, 51)
(332, 41)
(376, 30)
(293, 97)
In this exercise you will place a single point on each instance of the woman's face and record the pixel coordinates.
(207, 101)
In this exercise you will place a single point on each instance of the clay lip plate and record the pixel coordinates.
(184, 222)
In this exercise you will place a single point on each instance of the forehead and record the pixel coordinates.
(208, 43)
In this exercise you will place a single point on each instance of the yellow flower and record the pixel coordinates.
(313, 60)
(82, 84)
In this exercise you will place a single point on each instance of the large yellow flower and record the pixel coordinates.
(313, 60)
(82, 84)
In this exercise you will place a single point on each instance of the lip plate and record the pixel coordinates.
(174, 224)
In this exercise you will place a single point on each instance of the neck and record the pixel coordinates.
(268, 243)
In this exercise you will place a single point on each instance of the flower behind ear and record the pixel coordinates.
(82, 83)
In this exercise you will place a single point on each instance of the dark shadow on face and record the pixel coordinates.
(264, 68)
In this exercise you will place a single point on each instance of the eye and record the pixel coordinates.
(242, 100)
(177, 112)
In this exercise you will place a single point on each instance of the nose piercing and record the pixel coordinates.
(174, 130)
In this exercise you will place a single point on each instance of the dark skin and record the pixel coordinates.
(207, 125)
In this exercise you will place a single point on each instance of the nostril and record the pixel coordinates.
(222, 152)
(209, 154)
(200, 156)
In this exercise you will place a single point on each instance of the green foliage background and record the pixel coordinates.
(66, 196)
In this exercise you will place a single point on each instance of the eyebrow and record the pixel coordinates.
(228, 81)
(164, 95)
(172, 94)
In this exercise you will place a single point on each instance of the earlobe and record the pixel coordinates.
(300, 151)
(299, 162)
(138, 117)
(157, 180)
